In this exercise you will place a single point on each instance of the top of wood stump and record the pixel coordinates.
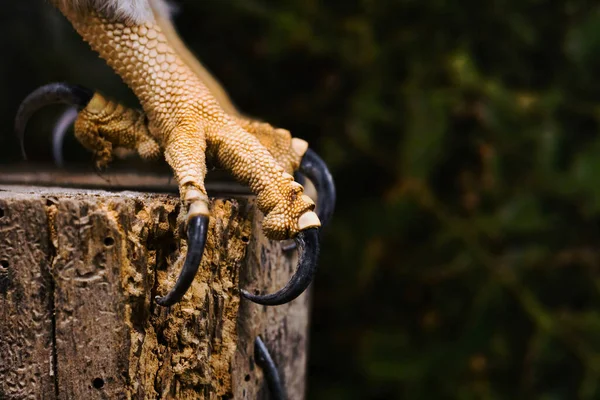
(79, 269)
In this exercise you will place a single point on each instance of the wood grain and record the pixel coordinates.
(26, 329)
(78, 320)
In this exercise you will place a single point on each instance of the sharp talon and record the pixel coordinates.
(308, 244)
(53, 93)
(313, 167)
(265, 361)
(196, 238)
(60, 130)
(298, 177)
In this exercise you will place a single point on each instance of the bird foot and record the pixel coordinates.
(104, 126)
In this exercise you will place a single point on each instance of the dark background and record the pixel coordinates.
(463, 258)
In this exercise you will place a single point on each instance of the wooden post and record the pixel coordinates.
(78, 273)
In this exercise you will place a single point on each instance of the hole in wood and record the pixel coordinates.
(108, 241)
(1, 212)
(247, 378)
(4, 264)
(98, 383)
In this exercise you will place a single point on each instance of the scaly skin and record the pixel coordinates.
(105, 126)
(215, 88)
(186, 121)
(286, 150)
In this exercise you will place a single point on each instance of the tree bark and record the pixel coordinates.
(79, 270)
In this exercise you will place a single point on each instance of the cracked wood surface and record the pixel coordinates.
(79, 270)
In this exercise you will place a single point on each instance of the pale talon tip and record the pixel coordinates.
(186, 180)
(307, 199)
(308, 220)
(314, 168)
(198, 208)
(299, 146)
(193, 194)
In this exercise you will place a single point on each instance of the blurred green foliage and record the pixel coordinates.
(463, 260)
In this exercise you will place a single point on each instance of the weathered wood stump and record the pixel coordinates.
(78, 273)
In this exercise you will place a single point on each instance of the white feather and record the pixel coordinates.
(136, 11)
(163, 8)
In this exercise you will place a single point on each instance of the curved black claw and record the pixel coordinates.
(53, 93)
(298, 177)
(264, 360)
(308, 244)
(315, 169)
(59, 132)
(196, 237)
